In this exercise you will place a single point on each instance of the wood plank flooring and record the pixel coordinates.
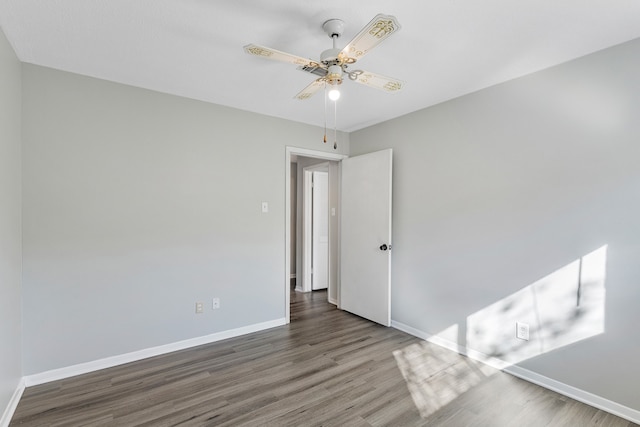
(326, 368)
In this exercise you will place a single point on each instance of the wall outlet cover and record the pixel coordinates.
(522, 331)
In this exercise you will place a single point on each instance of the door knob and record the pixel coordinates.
(383, 247)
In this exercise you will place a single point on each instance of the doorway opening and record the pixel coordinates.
(312, 263)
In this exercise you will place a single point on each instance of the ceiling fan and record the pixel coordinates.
(334, 63)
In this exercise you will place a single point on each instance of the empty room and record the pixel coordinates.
(291, 213)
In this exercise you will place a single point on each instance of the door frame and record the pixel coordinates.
(307, 223)
(289, 151)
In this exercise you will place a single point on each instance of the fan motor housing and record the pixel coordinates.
(334, 76)
(330, 57)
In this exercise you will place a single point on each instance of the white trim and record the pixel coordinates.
(332, 301)
(590, 399)
(305, 152)
(575, 393)
(13, 404)
(450, 345)
(307, 223)
(108, 362)
(307, 188)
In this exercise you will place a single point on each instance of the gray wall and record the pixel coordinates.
(138, 204)
(334, 227)
(500, 188)
(10, 228)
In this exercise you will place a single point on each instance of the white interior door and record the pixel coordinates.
(320, 231)
(365, 266)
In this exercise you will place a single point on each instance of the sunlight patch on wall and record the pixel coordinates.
(562, 308)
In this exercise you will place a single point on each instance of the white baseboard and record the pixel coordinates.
(13, 404)
(332, 301)
(450, 345)
(83, 368)
(527, 375)
(575, 393)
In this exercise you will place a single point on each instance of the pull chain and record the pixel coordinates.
(335, 125)
(325, 112)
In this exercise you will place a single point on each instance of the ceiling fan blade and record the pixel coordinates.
(317, 69)
(268, 53)
(311, 90)
(376, 31)
(377, 81)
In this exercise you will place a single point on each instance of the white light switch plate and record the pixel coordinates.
(265, 207)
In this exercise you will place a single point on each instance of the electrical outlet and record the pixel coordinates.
(199, 307)
(216, 303)
(522, 331)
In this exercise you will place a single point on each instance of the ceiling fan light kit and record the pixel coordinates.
(334, 94)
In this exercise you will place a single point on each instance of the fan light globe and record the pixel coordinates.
(334, 94)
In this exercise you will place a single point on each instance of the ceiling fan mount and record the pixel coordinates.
(333, 27)
(334, 62)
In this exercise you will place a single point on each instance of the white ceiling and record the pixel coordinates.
(193, 48)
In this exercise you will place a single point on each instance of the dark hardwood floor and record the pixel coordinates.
(326, 368)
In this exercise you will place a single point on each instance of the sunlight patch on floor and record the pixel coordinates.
(436, 376)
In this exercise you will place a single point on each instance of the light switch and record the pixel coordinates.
(265, 207)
